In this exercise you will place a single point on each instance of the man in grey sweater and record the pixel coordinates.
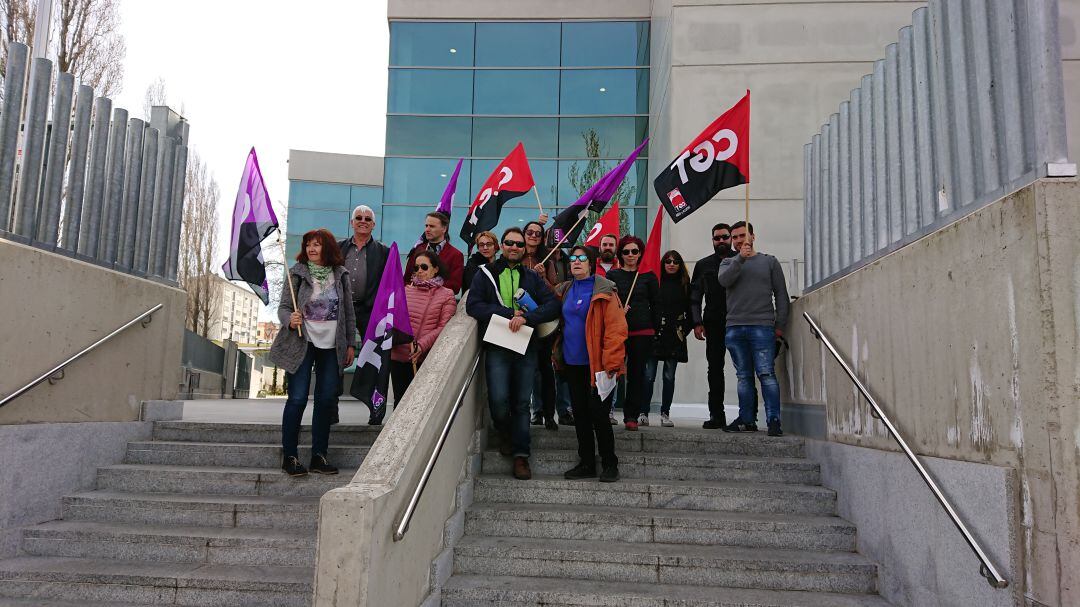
(757, 312)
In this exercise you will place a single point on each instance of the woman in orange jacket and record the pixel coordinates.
(593, 342)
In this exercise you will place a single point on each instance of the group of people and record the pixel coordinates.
(616, 325)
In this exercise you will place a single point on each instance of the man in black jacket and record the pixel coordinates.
(365, 259)
(509, 374)
(710, 325)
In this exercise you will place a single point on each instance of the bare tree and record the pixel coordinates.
(583, 178)
(198, 246)
(87, 41)
(155, 95)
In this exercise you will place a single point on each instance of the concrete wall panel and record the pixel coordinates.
(335, 168)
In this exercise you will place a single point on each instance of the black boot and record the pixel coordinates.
(582, 470)
(292, 466)
(319, 465)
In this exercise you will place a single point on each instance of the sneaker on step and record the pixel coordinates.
(611, 418)
(716, 424)
(293, 467)
(582, 470)
(550, 424)
(537, 420)
(567, 420)
(774, 428)
(739, 426)
(631, 426)
(319, 465)
(522, 471)
(665, 421)
(610, 474)
(643, 420)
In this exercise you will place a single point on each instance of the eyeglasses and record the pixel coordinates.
(722, 237)
(514, 243)
(672, 262)
(631, 251)
(485, 244)
(423, 267)
(578, 258)
(533, 233)
(363, 219)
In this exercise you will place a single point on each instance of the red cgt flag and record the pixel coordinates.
(650, 259)
(718, 158)
(510, 179)
(607, 224)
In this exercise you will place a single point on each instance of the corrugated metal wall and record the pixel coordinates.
(966, 107)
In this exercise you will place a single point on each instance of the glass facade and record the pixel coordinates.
(575, 93)
(324, 205)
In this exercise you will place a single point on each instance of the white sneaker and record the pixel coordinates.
(665, 421)
(611, 418)
(643, 420)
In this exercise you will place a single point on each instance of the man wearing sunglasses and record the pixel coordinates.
(436, 225)
(509, 374)
(710, 323)
(365, 259)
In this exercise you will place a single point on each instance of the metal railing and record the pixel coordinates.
(987, 570)
(57, 373)
(406, 516)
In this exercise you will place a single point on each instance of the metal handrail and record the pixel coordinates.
(51, 373)
(987, 570)
(403, 524)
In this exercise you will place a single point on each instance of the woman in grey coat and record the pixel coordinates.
(324, 313)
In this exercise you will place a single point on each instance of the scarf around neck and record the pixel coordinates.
(318, 272)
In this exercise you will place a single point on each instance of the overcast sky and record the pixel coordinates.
(272, 74)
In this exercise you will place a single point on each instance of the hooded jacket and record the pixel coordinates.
(289, 349)
(605, 329)
(430, 308)
(483, 299)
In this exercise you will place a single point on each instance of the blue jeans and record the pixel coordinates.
(510, 384)
(326, 389)
(752, 349)
(668, 390)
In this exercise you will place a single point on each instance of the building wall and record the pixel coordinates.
(235, 314)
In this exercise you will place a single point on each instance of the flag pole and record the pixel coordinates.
(632, 285)
(288, 280)
(563, 239)
(747, 207)
(537, 192)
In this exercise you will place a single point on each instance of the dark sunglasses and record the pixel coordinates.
(673, 262)
(579, 258)
(723, 237)
(514, 243)
(364, 219)
(631, 251)
(533, 233)
(423, 267)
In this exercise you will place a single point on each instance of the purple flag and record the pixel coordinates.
(389, 326)
(446, 202)
(594, 199)
(253, 220)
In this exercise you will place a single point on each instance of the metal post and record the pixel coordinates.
(80, 141)
(33, 153)
(147, 181)
(133, 176)
(90, 226)
(42, 28)
(177, 214)
(14, 84)
(49, 219)
(114, 188)
(162, 208)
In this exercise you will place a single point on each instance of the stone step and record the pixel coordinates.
(172, 544)
(787, 531)
(268, 434)
(10, 602)
(215, 480)
(87, 580)
(733, 567)
(246, 455)
(507, 591)
(655, 439)
(742, 468)
(680, 495)
(247, 512)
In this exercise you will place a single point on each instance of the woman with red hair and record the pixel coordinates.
(640, 297)
(321, 335)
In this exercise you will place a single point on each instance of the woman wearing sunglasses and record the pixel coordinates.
(675, 325)
(592, 341)
(487, 246)
(431, 305)
(642, 319)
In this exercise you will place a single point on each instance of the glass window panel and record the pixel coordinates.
(616, 136)
(430, 91)
(517, 44)
(497, 136)
(602, 44)
(422, 180)
(521, 92)
(304, 220)
(366, 194)
(427, 136)
(314, 195)
(403, 225)
(576, 176)
(544, 174)
(433, 44)
(605, 91)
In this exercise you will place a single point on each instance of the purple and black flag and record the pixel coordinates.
(594, 199)
(253, 220)
(446, 203)
(389, 326)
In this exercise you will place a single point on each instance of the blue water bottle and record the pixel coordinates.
(523, 299)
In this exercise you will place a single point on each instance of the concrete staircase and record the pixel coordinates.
(700, 518)
(200, 515)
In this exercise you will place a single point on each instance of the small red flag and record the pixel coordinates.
(607, 224)
(650, 260)
(510, 179)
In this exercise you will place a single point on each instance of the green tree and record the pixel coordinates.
(583, 178)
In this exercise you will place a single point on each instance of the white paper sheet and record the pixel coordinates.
(499, 333)
(604, 384)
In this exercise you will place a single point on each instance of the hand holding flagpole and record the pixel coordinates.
(299, 330)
